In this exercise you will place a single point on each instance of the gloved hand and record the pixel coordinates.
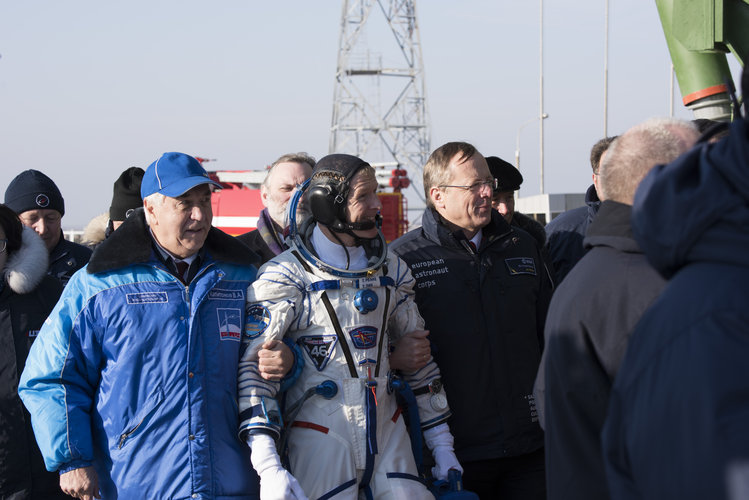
(276, 483)
(440, 441)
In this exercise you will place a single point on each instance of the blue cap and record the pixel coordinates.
(173, 175)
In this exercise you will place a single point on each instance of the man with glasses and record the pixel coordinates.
(40, 206)
(483, 291)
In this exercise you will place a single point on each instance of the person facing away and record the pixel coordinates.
(27, 295)
(566, 232)
(342, 298)
(676, 424)
(594, 311)
(125, 200)
(39, 204)
(284, 175)
(131, 383)
(483, 291)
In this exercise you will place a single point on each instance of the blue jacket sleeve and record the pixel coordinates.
(59, 382)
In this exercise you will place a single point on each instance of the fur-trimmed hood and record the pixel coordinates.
(131, 244)
(27, 266)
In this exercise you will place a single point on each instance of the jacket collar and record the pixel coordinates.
(437, 230)
(612, 227)
(131, 244)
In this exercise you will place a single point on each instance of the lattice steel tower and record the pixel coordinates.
(379, 104)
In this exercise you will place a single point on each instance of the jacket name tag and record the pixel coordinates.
(147, 298)
(521, 265)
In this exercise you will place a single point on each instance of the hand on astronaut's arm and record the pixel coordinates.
(411, 352)
(276, 483)
(81, 483)
(440, 441)
(275, 359)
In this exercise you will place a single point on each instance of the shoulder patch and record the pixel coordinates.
(364, 337)
(258, 319)
(521, 265)
(229, 323)
(319, 348)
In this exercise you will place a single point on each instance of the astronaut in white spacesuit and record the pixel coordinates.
(343, 301)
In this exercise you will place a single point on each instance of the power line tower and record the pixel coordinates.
(379, 103)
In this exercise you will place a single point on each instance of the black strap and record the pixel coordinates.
(383, 330)
(339, 333)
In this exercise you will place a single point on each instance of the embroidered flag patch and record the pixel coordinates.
(318, 348)
(521, 265)
(364, 337)
(258, 319)
(229, 323)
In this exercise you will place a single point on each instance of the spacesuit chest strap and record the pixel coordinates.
(382, 281)
(339, 333)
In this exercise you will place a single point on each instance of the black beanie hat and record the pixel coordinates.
(126, 194)
(508, 177)
(32, 190)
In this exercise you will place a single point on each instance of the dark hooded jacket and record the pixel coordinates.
(677, 420)
(566, 232)
(590, 319)
(26, 298)
(485, 312)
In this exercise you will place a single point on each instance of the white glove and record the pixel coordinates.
(440, 441)
(276, 483)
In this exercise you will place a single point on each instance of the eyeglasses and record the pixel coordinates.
(476, 187)
(3, 244)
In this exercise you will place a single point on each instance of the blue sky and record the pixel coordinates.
(89, 88)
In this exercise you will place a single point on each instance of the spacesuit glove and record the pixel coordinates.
(276, 483)
(440, 441)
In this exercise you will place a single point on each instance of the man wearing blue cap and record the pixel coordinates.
(132, 382)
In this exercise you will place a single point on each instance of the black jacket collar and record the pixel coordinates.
(436, 229)
(131, 244)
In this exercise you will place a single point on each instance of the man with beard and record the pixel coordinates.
(284, 175)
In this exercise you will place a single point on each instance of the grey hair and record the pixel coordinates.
(290, 157)
(156, 199)
(631, 156)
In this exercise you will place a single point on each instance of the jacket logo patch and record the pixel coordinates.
(147, 298)
(521, 265)
(42, 200)
(318, 348)
(364, 337)
(258, 319)
(33, 333)
(221, 294)
(229, 323)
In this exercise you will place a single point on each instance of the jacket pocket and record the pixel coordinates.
(137, 422)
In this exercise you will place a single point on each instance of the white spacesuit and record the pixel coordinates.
(352, 440)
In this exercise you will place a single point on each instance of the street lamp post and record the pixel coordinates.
(517, 137)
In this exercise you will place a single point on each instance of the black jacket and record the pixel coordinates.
(22, 471)
(566, 232)
(254, 241)
(591, 317)
(485, 312)
(677, 419)
(66, 258)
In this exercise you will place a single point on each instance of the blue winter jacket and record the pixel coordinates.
(136, 373)
(678, 412)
